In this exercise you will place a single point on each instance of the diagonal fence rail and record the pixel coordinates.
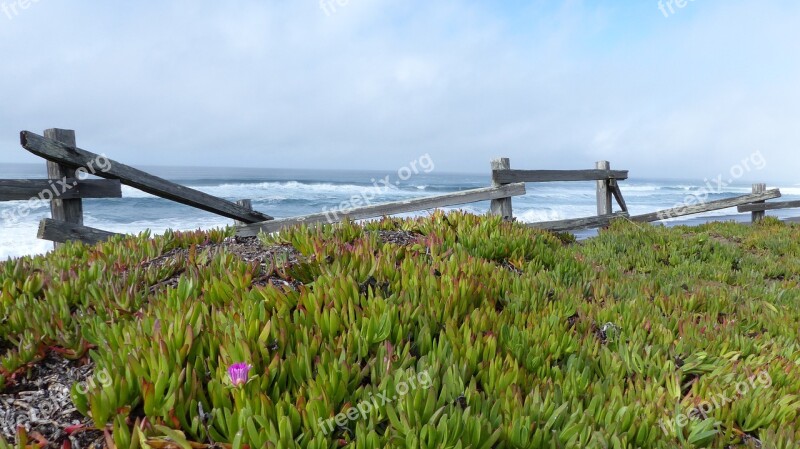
(75, 157)
(380, 210)
(707, 207)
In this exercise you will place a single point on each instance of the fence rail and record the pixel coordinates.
(61, 232)
(707, 207)
(508, 176)
(576, 224)
(66, 190)
(768, 206)
(379, 210)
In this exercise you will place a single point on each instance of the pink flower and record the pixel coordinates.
(239, 373)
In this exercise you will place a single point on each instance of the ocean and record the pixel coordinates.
(286, 193)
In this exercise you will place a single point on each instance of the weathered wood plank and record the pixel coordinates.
(603, 191)
(508, 176)
(575, 224)
(379, 210)
(768, 206)
(614, 186)
(71, 188)
(66, 210)
(247, 204)
(61, 232)
(76, 157)
(501, 206)
(758, 215)
(706, 207)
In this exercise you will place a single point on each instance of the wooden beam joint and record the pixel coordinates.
(61, 232)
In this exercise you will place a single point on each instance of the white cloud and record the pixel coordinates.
(379, 82)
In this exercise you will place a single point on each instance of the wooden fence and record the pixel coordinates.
(607, 187)
(506, 183)
(65, 189)
(64, 160)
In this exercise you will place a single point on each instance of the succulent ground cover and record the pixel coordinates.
(450, 331)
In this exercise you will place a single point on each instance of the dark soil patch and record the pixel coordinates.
(5, 346)
(732, 241)
(249, 249)
(40, 403)
(510, 267)
(401, 238)
(605, 332)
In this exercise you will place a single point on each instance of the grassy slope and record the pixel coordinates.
(527, 341)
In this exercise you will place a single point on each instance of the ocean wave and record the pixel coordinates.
(535, 215)
(19, 238)
(639, 187)
(794, 191)
(131, 192)
(291, 185)
(270, 190)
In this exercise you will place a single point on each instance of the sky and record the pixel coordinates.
(660, 89)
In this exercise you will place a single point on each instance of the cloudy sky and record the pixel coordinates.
(361, 84)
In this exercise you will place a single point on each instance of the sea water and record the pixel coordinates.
(286, 193)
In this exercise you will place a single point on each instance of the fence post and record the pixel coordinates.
(247, 204)
(757, 216)
(70, 211)
(501, 206)
(603, 190)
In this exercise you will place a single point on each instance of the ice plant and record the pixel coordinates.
(493, 314)
(238, 372)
